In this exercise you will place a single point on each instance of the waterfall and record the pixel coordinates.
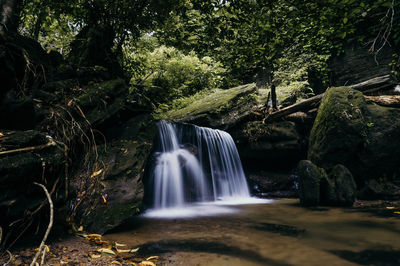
(195, 164)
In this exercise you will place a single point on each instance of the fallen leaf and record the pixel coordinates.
(80, 229)
(104, 199)
(396, 212)
(47, 248)
(390, 208)
(116, 262)
(147, 263)
(94, 174)
(130, 263)
(134, 250)
(119, 245)
(95, 256)
(106, 251)
(1, 135)
(153, 258)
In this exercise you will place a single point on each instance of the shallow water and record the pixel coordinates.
(278, 233)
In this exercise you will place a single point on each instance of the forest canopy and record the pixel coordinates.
(177, 48)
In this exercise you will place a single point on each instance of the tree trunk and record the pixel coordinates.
(10, 15)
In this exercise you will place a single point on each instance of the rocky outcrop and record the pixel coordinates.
(269, 145)
(358, 134)
(119, 177)
(222, 109)
(27, 157)
(357, 64)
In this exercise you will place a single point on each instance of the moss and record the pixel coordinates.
(218, 101)
(359, 134)
(257, 131)
(341, 108)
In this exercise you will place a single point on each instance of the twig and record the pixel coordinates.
(39, 147)
(50, 224)
(43, 255)
(10, 259)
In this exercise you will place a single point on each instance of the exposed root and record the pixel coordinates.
(48, 228)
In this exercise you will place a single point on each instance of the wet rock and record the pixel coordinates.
(309, 178)
(379, 189)
(269, 145)
(356, 133)
(271, 184)
(120, 192)
(338, 188)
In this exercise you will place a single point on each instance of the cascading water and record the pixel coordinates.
(200, 168)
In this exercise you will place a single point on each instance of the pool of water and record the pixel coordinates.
(274, 233)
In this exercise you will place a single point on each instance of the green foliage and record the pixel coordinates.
(168, 74)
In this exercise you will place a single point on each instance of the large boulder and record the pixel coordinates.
(309, 179)
(222, 109)
(338, 188)
(112, 190)
(358, 134)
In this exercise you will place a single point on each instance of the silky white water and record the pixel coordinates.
(202, 169)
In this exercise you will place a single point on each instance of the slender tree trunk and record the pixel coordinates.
(38, 24)
(10, 15)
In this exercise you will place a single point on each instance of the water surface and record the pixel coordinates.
(278, 233)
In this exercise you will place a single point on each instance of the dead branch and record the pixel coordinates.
(373, 84)
(49, 226)
(301, 106)
(386, 100)
(32, 148)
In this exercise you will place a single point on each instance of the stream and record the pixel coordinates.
(275, 233)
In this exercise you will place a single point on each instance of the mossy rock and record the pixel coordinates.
(221, 109)
(338, 188)
(356, 133)
(309, 178)
(103, 101)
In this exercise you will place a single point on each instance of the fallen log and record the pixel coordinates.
(374, 84)
(301, 106)
(386, 100)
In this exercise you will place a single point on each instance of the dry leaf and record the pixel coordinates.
(153, 258)
(106, 251)
(390, 208)
(119, 245)
(95, 256)
(130, 263)
(396, 212)
(104, 199)
(80, 229)
(47, 248)
(94, 236)
(1, 135)
(96, 173)
(116, 262)
(134, 250)
(147, 263)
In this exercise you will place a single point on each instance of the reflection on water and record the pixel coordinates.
(279, 233)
